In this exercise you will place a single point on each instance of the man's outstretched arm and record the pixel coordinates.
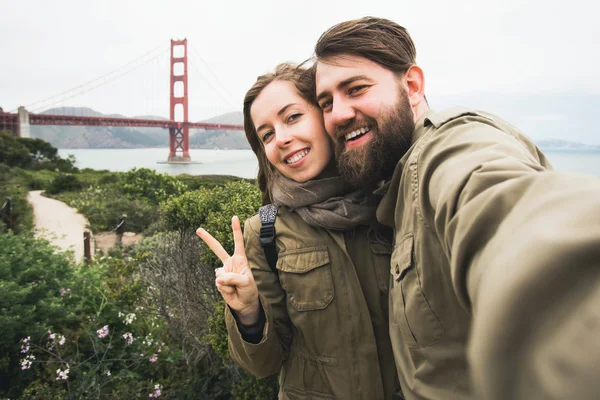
(524, 247)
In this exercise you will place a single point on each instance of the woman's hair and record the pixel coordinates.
(303, 81)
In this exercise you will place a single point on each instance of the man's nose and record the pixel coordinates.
(341, 113)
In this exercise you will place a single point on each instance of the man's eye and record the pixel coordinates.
(293, 117)
(356, 89)
(325, 104)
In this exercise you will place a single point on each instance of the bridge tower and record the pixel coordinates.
(179, 137)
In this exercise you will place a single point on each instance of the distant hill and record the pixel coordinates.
(565, 145)
(72, 137)
(554, 121)
(541, 116)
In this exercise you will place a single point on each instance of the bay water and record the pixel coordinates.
(242, 163)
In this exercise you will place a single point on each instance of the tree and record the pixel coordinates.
(13, 152)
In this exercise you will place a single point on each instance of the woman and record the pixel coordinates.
(321, 319)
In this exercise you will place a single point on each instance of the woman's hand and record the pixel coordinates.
(234, 280)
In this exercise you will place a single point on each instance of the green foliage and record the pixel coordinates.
(217, 330)
(195, 182)
(64, 183)
(11, 186)
(13, 152)
(63, 309)
(212, 210)
(31, 276)
(103, 208)
(40, 149)
(32, 154)
(172, 295)
(151, 185)
(249, 387)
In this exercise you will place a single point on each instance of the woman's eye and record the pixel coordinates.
(293, 117)
(267, 136)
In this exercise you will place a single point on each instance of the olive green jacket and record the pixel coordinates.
(319, 332)
(495, 271)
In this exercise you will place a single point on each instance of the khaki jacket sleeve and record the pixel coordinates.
(266, 357)
(524, 249)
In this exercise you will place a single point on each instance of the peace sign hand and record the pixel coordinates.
(234, 280)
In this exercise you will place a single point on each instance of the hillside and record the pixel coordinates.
(554, 121)
(81, 137)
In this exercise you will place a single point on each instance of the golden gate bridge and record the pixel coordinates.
(19, 123)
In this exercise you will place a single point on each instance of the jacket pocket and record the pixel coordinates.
(305, 275)
(381, 248)
(410, 309)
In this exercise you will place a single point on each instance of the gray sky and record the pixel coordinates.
(465, 47)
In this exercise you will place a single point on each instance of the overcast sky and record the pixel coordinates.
(51, 47)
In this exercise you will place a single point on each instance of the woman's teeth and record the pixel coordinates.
(297, 157)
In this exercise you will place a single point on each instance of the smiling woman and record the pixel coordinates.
(292, 132)
(319, 318)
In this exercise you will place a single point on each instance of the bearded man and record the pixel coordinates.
(495, 273)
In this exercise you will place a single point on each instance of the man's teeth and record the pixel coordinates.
(357, 132)
(297, 157)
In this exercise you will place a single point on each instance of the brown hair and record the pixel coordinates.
(377, 39)
(304, 84)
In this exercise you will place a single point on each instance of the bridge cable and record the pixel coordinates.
(228, 101)
(237, 101)
(98, 85)
(93, 80)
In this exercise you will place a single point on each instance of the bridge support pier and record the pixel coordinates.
(24, 126)
(179, 139)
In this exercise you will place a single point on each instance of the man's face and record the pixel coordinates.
(367, 114)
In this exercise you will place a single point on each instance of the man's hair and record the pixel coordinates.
(303, 81)
(377, 39)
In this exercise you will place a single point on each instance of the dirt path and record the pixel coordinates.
(58, 223)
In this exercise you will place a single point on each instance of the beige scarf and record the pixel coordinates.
(331, 203)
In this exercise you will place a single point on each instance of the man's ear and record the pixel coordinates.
(415, 85)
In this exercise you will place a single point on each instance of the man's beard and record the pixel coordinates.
(376, 159)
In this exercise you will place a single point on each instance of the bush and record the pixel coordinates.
(103, 209)
(78, 332)
(31, 276)
(11, 187)
(151, 185)
(212, 210)
(13, 152)
(65, 183)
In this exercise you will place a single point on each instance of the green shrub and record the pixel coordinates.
(12, 186)
(212, 209)
(31, 276)
(65, 183)
(103, 209)
(151, 185)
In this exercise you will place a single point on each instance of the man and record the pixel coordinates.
(494, 289)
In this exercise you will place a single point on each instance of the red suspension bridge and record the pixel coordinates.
(19, 123)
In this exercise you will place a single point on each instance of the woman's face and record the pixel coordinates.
(292, 131)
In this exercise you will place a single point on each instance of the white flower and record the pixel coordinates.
(102, 332)
(62, 375)
(128, 337)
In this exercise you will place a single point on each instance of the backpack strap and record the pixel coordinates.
(267, 215)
